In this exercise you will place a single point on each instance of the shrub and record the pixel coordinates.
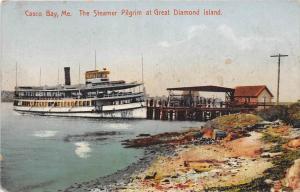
(274, 113)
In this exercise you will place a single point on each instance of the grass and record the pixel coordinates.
(270, 138)
(236, 121)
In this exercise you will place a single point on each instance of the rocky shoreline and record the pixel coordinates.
(239, 152)
(120, 178)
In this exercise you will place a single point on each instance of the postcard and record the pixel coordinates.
(150, 96)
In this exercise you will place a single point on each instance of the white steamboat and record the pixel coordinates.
(98, 98)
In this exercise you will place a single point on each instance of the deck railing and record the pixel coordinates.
(81, 97)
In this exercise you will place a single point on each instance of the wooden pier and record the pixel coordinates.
(190, 106)
(163, 112)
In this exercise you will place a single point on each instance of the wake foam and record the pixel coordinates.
(83, 149)
(45, 133)
(119, 126)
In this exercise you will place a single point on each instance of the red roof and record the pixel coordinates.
(250, 91)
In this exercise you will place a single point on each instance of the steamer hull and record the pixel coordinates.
(87, 112)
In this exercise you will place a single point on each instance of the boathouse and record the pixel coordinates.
(252, 95)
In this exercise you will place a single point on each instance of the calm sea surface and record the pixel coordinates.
(36, 158)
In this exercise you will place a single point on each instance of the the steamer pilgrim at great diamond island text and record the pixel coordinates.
(124, 12)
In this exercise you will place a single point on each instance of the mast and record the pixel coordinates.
(58, 76)
(79, 73)
(16, 74)
(95, 60)
(144, 89)
(79, 80)
(142, 69)
(40, 76)
(58, 94)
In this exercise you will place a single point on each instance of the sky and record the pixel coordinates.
(229, 50)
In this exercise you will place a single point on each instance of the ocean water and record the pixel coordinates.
(37, 159)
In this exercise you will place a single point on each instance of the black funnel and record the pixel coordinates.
(67, 76)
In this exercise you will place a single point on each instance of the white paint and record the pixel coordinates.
(264, 96)
(136, 113)
(130, 110)
(123, 106)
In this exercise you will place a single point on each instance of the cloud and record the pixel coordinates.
(191, 32)
(223, 33)
(164, 44)
(194, 30)
(242, 42)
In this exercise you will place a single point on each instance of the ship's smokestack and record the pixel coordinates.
(67, 76)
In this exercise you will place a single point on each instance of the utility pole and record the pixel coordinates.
(278, 75)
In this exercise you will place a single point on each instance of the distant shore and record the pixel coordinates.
(7, 96)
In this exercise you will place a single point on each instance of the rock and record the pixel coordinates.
(268, 155)
(166, 181)
(219, 134)
(296, 123)
(208, 133)
(294, 143)
(150, 176)
(231, 136)
(293, 176)
(277, 186)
